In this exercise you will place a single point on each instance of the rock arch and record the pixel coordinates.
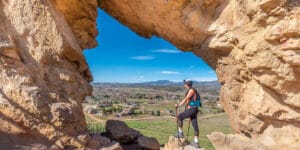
(253, 45)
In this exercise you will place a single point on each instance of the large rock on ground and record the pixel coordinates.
(148, 143)
(175, 143)
(230, 142)
(112, 146)
(120, 132)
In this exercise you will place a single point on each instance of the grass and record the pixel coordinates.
(162, 129)
(94, 127)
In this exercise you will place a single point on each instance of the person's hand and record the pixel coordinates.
(176, 105)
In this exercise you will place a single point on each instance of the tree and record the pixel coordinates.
(152, 113)
(158, 113)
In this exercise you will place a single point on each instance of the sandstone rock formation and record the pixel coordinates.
(253, 45)
(175, 143)
(230, 142)
(44, 76)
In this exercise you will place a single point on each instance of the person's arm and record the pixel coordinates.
(187, 98)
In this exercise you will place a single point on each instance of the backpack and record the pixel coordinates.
(195, 99)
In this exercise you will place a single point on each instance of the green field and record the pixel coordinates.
(162, 128)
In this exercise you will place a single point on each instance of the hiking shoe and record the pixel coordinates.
(179, 134)
(195, 144)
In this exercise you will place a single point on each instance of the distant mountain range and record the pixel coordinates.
(157, 83)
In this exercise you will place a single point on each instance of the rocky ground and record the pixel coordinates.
(119, 136)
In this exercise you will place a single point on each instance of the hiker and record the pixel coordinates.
(192, 101)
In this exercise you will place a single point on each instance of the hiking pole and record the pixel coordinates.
(176, 110)
(188, 125)
(188, 130)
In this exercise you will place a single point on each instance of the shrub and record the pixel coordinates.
(95, 128)
(158, 113)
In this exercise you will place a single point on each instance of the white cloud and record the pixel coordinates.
(141, 77)
(142, 57)
(211, 72)
(168, 51)
(169, 72)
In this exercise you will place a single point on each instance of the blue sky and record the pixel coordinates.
(123, 56)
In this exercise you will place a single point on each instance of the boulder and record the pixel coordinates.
(120, 132)
(148, 143)
(130, 146)
(190, 147)
(230, 142)
(97, 140)
(175, 143)
(112, 146)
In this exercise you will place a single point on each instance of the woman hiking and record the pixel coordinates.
(192, 101)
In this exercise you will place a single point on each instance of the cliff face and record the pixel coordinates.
(253, 45)
(44, 76)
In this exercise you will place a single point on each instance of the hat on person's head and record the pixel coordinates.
(188, 82)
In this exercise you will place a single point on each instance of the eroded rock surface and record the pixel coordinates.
(44, 76)
(175, 143)
(254, 47)
(119, 131)
(148, 143)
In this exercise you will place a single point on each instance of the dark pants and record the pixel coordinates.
(192, 114)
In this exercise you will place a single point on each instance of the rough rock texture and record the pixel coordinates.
(148, 143)
(119, 131)
(44, 76)
(112, 146)
(230, 142)
(175, 143)
(254, 45)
